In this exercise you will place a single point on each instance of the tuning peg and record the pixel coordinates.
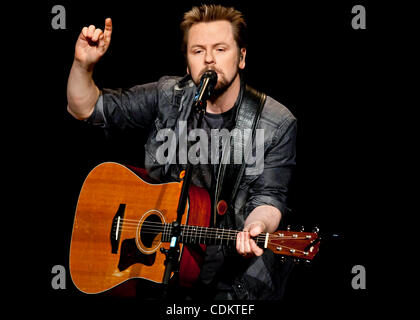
(288, 227)
(302, 228)
(315, 230)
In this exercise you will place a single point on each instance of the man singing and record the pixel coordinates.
(213, 39)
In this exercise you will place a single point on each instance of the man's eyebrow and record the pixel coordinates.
(197, 46)
(214, 45)
(221, 44)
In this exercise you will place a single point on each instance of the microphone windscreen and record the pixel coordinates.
(212, 75)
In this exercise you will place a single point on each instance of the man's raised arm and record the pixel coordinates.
(82, 92)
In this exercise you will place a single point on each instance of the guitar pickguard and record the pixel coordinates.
(130, 255)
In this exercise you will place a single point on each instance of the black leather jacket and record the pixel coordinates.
(164, 104)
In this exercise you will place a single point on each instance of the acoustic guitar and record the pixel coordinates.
(123, 222)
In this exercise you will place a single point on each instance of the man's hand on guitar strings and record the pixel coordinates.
(245, 245)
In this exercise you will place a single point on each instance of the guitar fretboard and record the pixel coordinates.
(205, 235)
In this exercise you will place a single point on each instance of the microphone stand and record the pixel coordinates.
(172, 254)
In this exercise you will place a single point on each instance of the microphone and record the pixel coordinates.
(205, 88)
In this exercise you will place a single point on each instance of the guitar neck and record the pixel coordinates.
(290, 243)
(205, 235)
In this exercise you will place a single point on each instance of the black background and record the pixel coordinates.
(304, 54)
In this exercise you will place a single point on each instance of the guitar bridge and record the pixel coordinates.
(115, 235)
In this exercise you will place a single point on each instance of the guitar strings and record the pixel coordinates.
(158, 226)
(216, 234)
(213, 234)
(206, 233)
(259, 238)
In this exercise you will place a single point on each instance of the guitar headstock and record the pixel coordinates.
(302, 245)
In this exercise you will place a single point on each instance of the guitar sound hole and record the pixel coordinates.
(151, 230)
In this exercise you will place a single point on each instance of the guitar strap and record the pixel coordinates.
(230, 173)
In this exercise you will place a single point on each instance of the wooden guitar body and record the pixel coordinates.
(110, 243)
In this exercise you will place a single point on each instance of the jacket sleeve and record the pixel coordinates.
(271, 187)
(126, 108)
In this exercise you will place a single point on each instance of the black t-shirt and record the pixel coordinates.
(205, 171)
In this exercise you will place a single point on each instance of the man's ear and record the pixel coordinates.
(242, 56)
(188, 70)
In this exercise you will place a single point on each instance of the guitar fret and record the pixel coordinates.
(186, 234)
(191, 235)
(192, 238)
(232, 238)
(209, 237)
(228, 236)
(205, 236)
(215, 236)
